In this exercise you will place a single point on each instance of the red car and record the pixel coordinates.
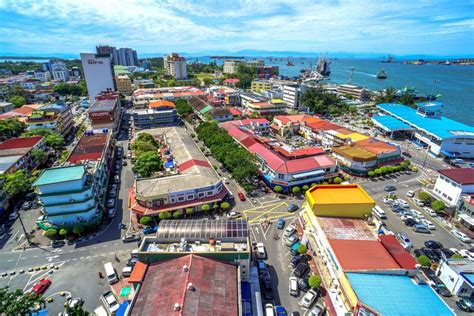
(41, 287)
(241, 196)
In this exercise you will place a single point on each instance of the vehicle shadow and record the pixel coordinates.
(275, 281)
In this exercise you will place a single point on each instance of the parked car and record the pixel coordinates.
(41, 287)
(404, 240)
(402, 203)
(303, 284)
(261, 254)
(280, 311)
(406, 154)
(460, 235)
(27, 205)
(112, 194)
(292, 207)
(308, 299)
(267, 288)
(418, 202)
(428, 224)
(127, 271)
(419, 228)
(416, 213)
(429, 211)
(293, 286)
(290, 230)
(465, 304)
(317, 310)
(301, 269)
(261, 266)
(290, 241)
(132, 261)
(241, 196)
(233, 215)
(465, 253)
(410, 194)
(124, 163)
(116, 179)
(419, 252)
(389, 188)
(280, 224)
(410, 222)
(269, 310)
(386, 200)
(150, 230)
(406, 216)
(13, 216)
(431, 254)
(110, 302)
(433, 244)
(447, 252)
(57, 243)
(131, 238)
(111, 203)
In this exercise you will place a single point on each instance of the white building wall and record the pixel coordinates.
(450, 191)
(464, 146)
(98, 74)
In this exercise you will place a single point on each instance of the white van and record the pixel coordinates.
(378, 212)
(110, 273)
(269, 311)
(127, 271)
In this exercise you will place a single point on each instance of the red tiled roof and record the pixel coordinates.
(214, 282)
(305, 151)
(460, 175)
(24, 110)
(8, 115)
(161, 103)
(231, 80)
(357, 255)
(15, 143)
(90, 147)
(193, 162)
(403, 258)
(234, 111)
(322, 125)
(376, 146)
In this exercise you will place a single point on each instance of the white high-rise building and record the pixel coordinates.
(98, 73)
(59, 70)
(42, 75)
(292, 95)
(176, 66)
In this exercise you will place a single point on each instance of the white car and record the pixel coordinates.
(417, 214)
(308, 299)
(429, 211)
(410, 194)
(466, 254)
(460, 235)
(418, 202)
(269, 311)
(110, 302)
(233, 215)
(406, 216)
(289, 230)
(402, 203)
(387, 200)
(261, 250)
(225, 180)
(428, 224)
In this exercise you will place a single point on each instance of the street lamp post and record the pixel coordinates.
(24, 230)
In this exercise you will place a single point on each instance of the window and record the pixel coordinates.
(209, 193)
(201, 195)
(172, 200)
(190, 197)
(181, 198)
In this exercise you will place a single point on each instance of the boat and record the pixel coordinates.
(447, 63)
(323, 67)
(381, 74)
(389, 59)
(290, 63)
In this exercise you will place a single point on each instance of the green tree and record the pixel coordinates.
(183, 108)
(456, 256)
(320, 101)
(337, 180)
(177, 214)
(16, 302)
(205, 208)
(63, 232)
(77, 310)
(17, 183)
(371, 174)
(424, 261)
(378, 171)
(302, 249)
(18, 101)
(278, 189)
(386, 96)
(147, 163)
(50, 232)
(146, 220)
(295, 190)
(78, 230)
(39, 156)
(305, 188)
(407, 99)
(164, 215)
(55, 141)
(225, 205)
(140, 147)
(207, 81)
(424, 196)
(438, 205)
(314, 281)
(189, 211)
(405, 164)
(11, 127)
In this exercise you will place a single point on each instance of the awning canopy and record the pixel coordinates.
(468, 219)
(307, 174)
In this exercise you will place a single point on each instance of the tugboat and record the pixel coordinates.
(381, 74)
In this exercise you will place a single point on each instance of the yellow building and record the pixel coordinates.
(259, 85)
(124, 84)
(349, 201)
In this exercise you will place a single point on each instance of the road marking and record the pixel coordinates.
(255, 219)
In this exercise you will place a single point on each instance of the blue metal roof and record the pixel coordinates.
(396, 295)
(390, 123)
(441, 127)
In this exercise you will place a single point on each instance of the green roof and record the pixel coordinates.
(206, 109)
(60, 174)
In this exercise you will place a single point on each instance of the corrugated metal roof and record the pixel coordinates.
(460, 175)
(403, 258)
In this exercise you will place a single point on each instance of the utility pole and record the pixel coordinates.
(24, 229)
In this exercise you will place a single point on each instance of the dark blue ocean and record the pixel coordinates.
(454, 83)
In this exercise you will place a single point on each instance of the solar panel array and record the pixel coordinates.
(202, 229)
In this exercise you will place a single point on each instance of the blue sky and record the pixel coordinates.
(152, 26)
